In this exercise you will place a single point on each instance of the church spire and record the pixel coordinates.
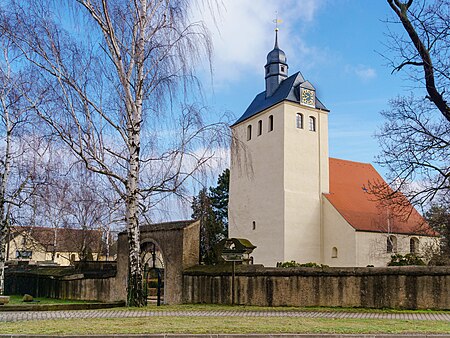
(276, 66)
(276, 22)
(276, 38)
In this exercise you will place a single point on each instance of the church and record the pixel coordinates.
(292, 201)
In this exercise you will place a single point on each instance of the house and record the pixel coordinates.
(62, 246)
(294, 202)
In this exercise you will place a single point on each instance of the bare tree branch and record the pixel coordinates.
(401, 10)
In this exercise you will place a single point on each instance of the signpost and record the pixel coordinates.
(234, 251)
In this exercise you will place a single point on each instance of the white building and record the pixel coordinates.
(295, 203)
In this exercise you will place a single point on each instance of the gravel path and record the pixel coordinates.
(80, 314)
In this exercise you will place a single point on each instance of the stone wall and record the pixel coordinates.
(64, 282)
(390, 287)
(107, 281)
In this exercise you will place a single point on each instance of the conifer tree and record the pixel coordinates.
(211, 209)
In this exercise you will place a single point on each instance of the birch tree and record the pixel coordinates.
(89, 209)
(17, 141)
(116, 78)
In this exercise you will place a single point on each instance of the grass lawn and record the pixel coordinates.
(229, 324)
(17, 300)
(211, 325)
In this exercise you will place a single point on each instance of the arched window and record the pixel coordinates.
(254, 225)
(414, 245)
(299, 121)
(270, 122)
(249, 132)
(334, 252)
(312, 123)
(391, 244)
(259, 127)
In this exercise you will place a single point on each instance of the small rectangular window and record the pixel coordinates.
(259, 127)
(312, 123)
(249, 132)
(391, 244)
(299, 121)
(270, 122)
(25, 254)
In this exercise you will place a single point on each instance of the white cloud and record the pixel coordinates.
(243, 33)
(364, 73)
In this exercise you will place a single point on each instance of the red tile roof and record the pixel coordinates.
(350, 184)
(67, 239)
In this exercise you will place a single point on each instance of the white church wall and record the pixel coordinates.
(372, 247)
(304, 181)
(337, 234)
(256, 186)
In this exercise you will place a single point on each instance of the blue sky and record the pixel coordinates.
(336, 46)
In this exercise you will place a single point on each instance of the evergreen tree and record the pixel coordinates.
(219, 200)
(211, 209)
(439, 218)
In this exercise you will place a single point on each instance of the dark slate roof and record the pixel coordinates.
(166, 226)
(276, 56)
(288, 90)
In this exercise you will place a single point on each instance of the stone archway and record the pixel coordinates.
(153, 263)
(179, 244)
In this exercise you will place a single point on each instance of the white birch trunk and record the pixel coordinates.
(3, 206)
(3, 238)
(135, 287)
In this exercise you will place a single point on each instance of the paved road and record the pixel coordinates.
(80, 314)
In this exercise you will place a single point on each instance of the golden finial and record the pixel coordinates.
(276, 21)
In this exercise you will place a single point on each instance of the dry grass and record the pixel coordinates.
(17, 300)
(225, 324)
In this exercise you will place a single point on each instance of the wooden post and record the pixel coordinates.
(232, 282)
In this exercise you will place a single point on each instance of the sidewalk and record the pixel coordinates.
(306, 335)
(81, 314)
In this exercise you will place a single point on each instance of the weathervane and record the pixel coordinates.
(276, 21)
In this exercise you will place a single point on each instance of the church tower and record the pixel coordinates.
(279, 168)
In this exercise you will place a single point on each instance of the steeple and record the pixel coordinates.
(276, 38)
(276, 67)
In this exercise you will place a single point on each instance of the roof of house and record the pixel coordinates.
(350, 194)
(67, 239)
(287, 91)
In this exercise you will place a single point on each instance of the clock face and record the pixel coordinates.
(308, 97)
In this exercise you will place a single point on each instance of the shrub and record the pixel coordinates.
(439, 260)
(294, 264)
(408, 259)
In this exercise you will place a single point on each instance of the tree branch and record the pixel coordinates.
(401, 9)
